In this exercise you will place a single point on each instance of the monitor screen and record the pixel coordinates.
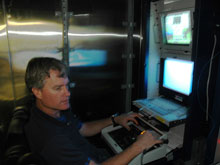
(87, 58)
(178, 75)
(178, 28)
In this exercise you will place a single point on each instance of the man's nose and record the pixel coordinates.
(66, 91)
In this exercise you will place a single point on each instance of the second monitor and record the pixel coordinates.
(176, 77)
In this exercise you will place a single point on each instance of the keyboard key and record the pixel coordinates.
(125, 138)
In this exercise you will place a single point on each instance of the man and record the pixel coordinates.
(55, 133)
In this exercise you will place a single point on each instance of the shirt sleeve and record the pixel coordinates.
(56, 152)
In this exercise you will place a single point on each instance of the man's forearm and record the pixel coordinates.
(94, 127)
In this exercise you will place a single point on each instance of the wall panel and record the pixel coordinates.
(33, 31)
(6, 88)
(97, 41)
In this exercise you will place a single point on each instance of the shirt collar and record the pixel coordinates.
(44, 116)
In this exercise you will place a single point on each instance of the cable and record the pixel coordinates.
(209, 75)
(198, 82)
(197, 90)
(142, 158)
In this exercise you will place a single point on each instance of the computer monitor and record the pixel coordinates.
(177, 30)
(87, 58)
(176, 79)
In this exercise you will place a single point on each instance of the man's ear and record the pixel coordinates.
(37, 93)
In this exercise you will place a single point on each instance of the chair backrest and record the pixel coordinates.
(17, 150)
(1, 142)
(16, 143)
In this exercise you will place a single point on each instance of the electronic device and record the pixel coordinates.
(176, 77)
(175, 87)
(178, 28)
(87, 58)
(118, 139)
(165, 111)
(176, 31)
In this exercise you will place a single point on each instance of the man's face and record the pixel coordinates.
(55, 93)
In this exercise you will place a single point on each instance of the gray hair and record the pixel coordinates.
(39, 68)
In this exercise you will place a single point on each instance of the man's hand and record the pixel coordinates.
(146, 140)
(125, 118)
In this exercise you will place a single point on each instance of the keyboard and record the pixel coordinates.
(125, 138)
(161, 106)
(119, 138)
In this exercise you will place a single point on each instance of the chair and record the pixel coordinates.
(1, 142)
(17, 151)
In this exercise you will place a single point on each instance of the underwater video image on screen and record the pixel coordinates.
(87, 58)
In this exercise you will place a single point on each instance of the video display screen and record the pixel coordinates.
(178, 75)
(178, 28)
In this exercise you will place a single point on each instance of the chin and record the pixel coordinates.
(65, 108)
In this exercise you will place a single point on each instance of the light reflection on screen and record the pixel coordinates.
(178, 75)
(87, 57)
